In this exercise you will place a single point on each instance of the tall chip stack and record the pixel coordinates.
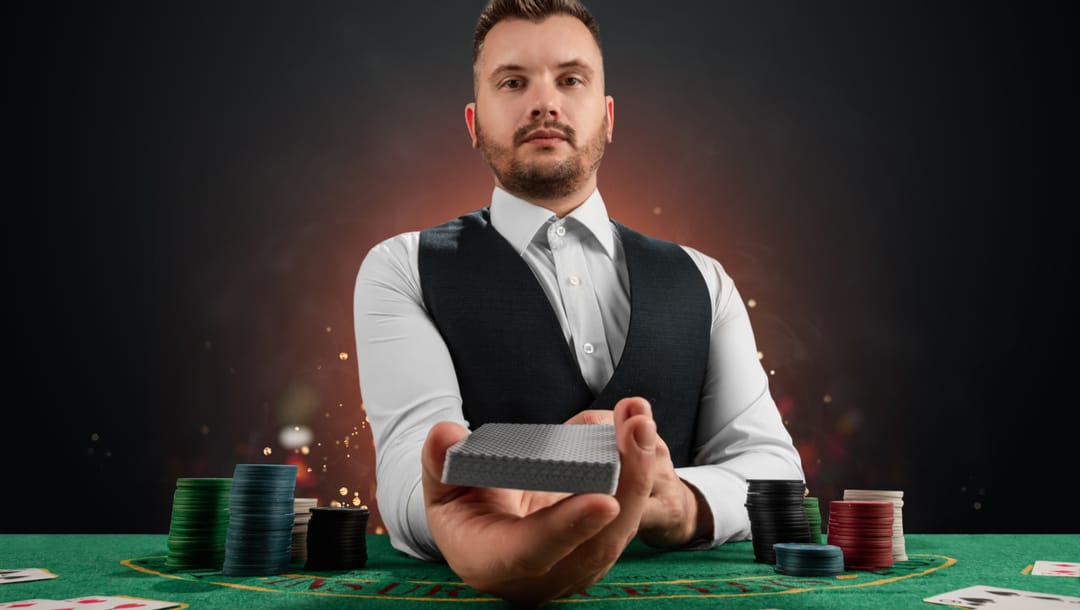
(775, 508)
(200, 519)
(896, 497)
(261, 516)
(863, 531)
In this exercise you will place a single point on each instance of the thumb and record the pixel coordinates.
(441, 437)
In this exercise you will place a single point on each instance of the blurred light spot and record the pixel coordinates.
(657, 210)
(207, 344)
(94, 436)
(772, 372)
(761, 355)
(204, 430)
(379, 530)
(267, 451)
(977, 505)
(356, 502)
(343, 356)
(827, 398)
(751, 303)
(328, 329)
(294, 437)
(305, 450)
(344, 491)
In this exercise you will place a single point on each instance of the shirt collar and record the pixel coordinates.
(518, 220)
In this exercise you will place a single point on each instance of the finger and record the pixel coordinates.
(440, 438)
(593, 416)
(540, 540)
(629, 407)
(636, 440)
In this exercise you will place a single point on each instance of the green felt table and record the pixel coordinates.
(725, 577)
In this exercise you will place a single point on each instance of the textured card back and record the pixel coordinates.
(574, 458)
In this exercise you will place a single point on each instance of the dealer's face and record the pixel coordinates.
(541, 118)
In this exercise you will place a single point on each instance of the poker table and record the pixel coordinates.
(725, 577)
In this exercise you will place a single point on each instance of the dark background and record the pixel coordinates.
(196, 183)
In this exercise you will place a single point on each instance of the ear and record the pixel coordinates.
(610, 109)
(470, 122)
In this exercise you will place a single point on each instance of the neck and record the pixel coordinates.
(561, 206)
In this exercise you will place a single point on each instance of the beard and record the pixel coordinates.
(543, 179)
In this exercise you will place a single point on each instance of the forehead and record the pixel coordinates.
(556, 40)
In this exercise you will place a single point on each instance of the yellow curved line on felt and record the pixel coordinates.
(232, 585)
(456, 583)
(127, 563)
(1028, 569)
(949, 562)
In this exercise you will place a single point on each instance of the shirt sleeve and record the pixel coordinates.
(740, 433)
(407, 382)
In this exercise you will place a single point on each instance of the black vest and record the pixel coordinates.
(509, 352)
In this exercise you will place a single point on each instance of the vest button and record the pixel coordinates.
(588, 348)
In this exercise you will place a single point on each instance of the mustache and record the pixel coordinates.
(568, 132)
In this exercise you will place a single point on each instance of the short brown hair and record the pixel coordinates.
(532, 10)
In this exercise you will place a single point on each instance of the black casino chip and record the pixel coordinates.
(775, 508)
(337, 538)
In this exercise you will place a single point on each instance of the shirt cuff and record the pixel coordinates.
(725, 494)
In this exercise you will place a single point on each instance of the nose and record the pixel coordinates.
(546, 105)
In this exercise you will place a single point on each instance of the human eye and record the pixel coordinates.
(572, 81)
(511, 83)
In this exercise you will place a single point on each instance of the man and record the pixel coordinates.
(539, 308)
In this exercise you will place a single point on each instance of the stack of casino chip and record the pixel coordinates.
(337, 538)
(896, 497)
(775, 507)
(798, 559)
(261, 515)
(863, 530)
(813, 518)
(200, 519)
(303, 507)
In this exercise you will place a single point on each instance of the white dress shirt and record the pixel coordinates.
(408, 383)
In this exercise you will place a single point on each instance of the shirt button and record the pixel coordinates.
(588, 348)
(560, 230)
(574, 280)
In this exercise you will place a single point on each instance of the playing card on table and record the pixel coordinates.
(24, 575)
(37, 604)
(101, 602)
(1056, 568)
(982, 596)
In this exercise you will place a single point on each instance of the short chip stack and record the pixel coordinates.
(261, 515)
(896, 497)
(863, 530)
(776, 512)
(337, 538)
(797, 559)
(200, 519)
(813, 518)
(303, 507)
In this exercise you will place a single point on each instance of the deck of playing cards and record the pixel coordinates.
(573, 458)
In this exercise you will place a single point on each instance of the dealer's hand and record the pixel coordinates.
(675, 513)
(529, 547)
